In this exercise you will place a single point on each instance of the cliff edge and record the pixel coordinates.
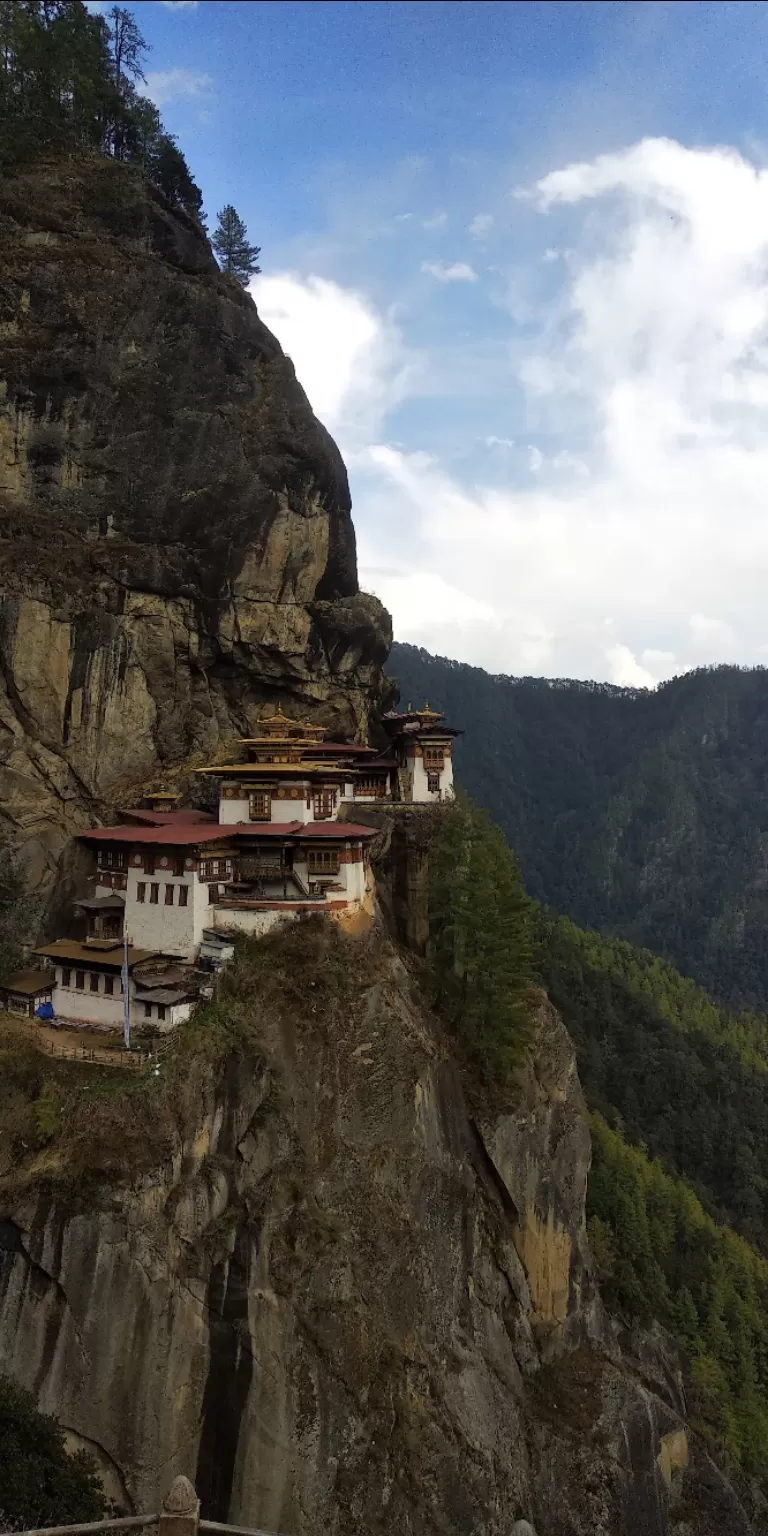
(176, 545)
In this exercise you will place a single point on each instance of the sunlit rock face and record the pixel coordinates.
(176, 545)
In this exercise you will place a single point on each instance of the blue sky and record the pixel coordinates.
(519, 254)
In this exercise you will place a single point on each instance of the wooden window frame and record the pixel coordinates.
(169, 890)
(154, 894)
(183, 895)
(141, 891)
(80, 981)
(323, 861)
(433, 781)
(93, 981)
(109, 986)
(264, 796)
(66, 975)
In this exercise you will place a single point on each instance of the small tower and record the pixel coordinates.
(421, 743)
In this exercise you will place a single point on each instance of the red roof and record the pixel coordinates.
(190, 816)
(179, 834)
(206, 833)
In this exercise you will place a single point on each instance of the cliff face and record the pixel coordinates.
(346, 1303)
(176, 545)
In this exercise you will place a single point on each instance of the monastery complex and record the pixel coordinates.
(173, 886)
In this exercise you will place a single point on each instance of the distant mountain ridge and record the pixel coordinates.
(642, 814)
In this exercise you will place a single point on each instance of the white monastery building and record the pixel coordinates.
(174, 885)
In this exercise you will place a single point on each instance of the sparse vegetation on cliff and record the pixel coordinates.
(40, 1484)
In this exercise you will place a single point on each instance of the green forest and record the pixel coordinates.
(677, 1086)
(641, 814)
(678, 1192)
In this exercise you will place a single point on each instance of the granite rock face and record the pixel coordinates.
(349, 1305)
(176, 545)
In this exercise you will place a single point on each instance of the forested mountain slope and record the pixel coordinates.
(643, 814)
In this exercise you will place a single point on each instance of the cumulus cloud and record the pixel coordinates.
(639, 545)
(350, 359)
(481, 226)
(164, 85)
(450, 272)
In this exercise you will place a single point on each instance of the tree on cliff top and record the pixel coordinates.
(230, 242)
(68, 81)
(41, 1484)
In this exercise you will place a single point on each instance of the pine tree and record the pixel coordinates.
(230, 242)
(480, 938)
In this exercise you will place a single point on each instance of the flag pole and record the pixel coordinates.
(126, 994)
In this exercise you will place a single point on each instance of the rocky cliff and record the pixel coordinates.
(344, 1299)
(176, 545)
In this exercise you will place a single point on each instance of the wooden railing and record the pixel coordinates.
(101, 1056)
(179, 1516)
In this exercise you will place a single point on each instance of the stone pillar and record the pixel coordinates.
(181, 1509)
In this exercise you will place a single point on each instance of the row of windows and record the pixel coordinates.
(182, 891)
(161, 1010)
(112, 984)
(117, 859)
(112, 987)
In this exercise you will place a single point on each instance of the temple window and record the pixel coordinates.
(80, 980)
(161, 1010)
(94, 981)
(260, 805)
(113, 858)
(169, 895)
(141, 891)
(371, 786)
(434, 757)
(323, 861)
(183, 895)
(66, 977)
(324, 804)
(154, 893)
(147, 1010)
(433, 782)
(213, 893)
(109, 985)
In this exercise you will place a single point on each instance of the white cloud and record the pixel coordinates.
(350, 359)
(180, 5)
(499, 442)
(645, 375)
(450, 272)
(164, 85)
(535, 459)
(481, 226)
(626, 670)
(437, 221)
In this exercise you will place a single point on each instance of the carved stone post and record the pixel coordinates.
(181, 1509)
